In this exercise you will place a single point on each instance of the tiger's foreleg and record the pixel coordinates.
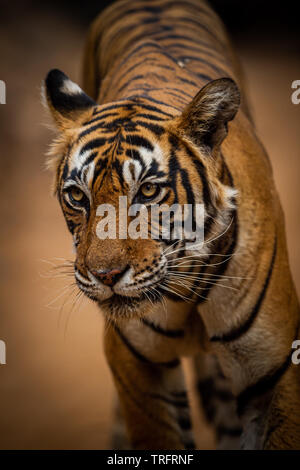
(268, 404)
(217, 401)
(272, 416)
(119, 435)
(152, 396)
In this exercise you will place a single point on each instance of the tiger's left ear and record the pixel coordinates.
(205, 119)
(67, 102)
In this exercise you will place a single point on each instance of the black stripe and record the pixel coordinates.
(138, 48)
(99, 118)
(206, 389)
(162, 331)
(123, 12)
(177, 403)
(129, 389)
(188, 82)
(197, 9)
(139, 141)
(189, 445)
(146, 34)
(201, 170)
(227, 431)
(232, 235)
(181, 394)
(88, 161)
(64, 168)
(157, 130)
(181, 37)
(179, 98)
(150, 61)
(100, 166)
(204, 77)
(196, 48)
(113, 125)
(132, 79)
(236, 333)
(92, 144)
(153, 100)
(132, 153)
(149, 107)
(157, 75)
(177, 90)
(132, 67)
(149, 88)
(223, 395)
(150, 116)
(119, 169)
(118, 105)
(89, 130)
(204, 27)
(71, 225)
(141, 357)
(185, 423)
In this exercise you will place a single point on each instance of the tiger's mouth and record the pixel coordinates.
(117, 304)
(128, 295)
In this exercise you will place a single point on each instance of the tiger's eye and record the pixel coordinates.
(148, 189)
(76, 194)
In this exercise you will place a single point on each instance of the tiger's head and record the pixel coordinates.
(141, 152)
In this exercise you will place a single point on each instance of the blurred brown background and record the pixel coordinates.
(56, 389)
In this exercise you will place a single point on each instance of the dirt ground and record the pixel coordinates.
(56, 389)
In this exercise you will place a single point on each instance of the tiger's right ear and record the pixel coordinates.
(66, 101)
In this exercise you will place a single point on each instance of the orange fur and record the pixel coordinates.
(145, 62)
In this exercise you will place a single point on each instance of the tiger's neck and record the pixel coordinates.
(173, 46)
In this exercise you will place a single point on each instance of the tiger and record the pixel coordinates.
(163, 118)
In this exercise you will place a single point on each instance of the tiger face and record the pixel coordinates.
(146, 154)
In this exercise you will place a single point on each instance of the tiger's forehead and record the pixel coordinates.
(128, 153)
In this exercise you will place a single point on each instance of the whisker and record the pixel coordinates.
(161, 297)
(196, 256)
(205, 264)
(62, 292)
(206, 282)
(195, 274)
(78, 296)
(210, 240)
(206, 242)
(175, 292)
(68, 300)
(169, 247)
(187, 287)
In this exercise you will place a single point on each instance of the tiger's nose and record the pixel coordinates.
(109, 277)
